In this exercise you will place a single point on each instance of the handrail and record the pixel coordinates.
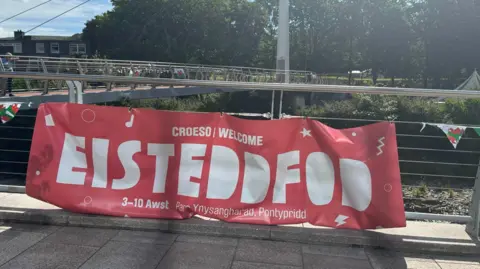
(146, 63)
(248, 85)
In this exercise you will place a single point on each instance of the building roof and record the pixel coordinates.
(46, 38)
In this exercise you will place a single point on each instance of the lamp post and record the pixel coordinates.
(283, 47)
(283, 41)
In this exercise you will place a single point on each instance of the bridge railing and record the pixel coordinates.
(437, 186)
(57, 65)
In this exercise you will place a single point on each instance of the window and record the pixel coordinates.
(78, 49)
(55, 48)
(16, 47)
(40, 47)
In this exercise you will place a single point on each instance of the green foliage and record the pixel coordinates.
(200, 103)
(396, 38)
(451, 193)
(420, 191)
(194, 31)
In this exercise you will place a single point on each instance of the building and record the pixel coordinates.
(48, 46)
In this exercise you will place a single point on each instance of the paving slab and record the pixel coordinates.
(282, 253)
(417, 236)
(384, 259)
(18, 244)
(349, 252)
(197, 256)
(145, 237)
(251, 265)
(46, 255)
(22, 248)
(208, 240)
(312, 261)
(81, 236)
(126, 255)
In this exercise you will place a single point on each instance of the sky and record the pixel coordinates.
(68, 24)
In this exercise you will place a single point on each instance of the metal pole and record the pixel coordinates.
(473, 227)
(283, 46)
(79, 91)
(273, 105)
(72, 98)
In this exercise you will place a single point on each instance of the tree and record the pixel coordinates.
(196, 31)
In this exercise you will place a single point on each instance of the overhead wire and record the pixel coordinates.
(18, 14)
(61, 14)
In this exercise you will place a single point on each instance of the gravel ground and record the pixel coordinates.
(448, 201)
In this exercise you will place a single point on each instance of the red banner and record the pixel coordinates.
(160, 164)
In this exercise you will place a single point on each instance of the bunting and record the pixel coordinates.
(477, 130)
(453, 132)
(8, 111)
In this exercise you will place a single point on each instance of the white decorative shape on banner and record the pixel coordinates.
(129, 124)
(356, 184)
(126, 151)
(49, 120)
(88, 115)
(100, 162)
(162, 153)
(224, 172)
(256, 179)
(388, 187)
(37, 173)
(454, 133)
(354, 134)
(190, 168)
(380, 146)
(87, 200)
(320, 178)
(71, 158)
(306, 132)
(285, 176)
(341, 220)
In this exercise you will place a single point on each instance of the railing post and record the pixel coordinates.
(473, 228)
(3, 81)
(75, 91)
(79, 92)
(45, 70)
(71, 92)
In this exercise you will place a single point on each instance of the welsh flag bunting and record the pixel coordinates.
(8, 111)
(454, 133)
(477, 130)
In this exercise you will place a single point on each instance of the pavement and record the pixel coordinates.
(39, 235)
(40, 247)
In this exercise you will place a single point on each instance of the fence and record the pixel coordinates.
(55, 65)
(435, 187)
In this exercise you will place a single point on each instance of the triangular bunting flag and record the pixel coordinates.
(8, 111)
(454, 133)
(477, 130)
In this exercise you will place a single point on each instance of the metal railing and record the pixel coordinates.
(146, 69)
(425, 176)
